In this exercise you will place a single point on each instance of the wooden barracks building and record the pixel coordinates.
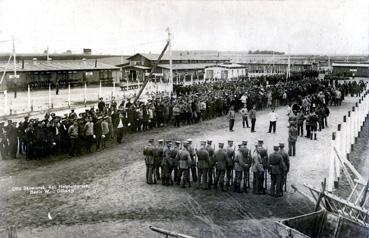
(41, 73)
(184, 65)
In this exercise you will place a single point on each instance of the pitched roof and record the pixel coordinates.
(348, 64)
(184, 66)
(114, 60)
(228, 66)
(58, 65)
(181, 56)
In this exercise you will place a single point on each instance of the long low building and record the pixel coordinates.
(225, 71)
(350, 69)
(39, 74)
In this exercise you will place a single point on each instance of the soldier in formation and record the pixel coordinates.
(222, 169)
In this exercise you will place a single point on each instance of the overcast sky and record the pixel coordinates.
(113, 26)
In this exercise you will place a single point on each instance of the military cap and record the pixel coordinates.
(151, 140)
(189, 140)
(178, 142)
(161, 140)
(276, 147)
(239, 145)
(209, 141)
(168, 141)
(185, 142)
(244, 142)
(260, 140)
(281, 144)
(230, 141)
(221, 143)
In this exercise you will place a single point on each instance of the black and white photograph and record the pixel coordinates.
(184, 118)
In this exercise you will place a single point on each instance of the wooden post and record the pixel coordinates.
(352, 135)
(344, 137)
(348, 134)
(113, 88)
(29, 98)
(5, 102)
(85, 95)
(339, 140)
(100, 93)
(49, 95)
(331, 175)
(69, 95)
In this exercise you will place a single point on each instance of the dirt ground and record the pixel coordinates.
(117, 202)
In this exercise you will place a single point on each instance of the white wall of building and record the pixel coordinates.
(219, 72)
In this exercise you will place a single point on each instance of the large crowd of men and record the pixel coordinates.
(231, 168)
(95, 128)
(223, 168)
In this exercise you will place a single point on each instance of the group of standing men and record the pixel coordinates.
(222, 168)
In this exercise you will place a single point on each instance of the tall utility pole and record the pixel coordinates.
(15, 60)
(170, 62)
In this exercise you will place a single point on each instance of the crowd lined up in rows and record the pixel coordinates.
(223, 168)
(109, 121)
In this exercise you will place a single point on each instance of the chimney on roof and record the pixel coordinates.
(95, 63)
(34, 61)
(84, 60)
(22, 63)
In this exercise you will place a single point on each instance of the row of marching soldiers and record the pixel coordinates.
(222, 168)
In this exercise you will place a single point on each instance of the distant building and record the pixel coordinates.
(41, 73)
(184, 66)
(279, 68)
(87, 51)
(225, 71)
(351, 69)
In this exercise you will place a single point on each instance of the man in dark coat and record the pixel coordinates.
(203, 166)
(221, 165)
(276, 169)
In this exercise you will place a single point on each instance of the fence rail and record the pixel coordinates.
(343, 141)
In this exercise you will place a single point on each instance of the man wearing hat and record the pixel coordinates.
(158, 157)
(247, 160)
(105, 131)
(276, 169)
(101, 105)
(252, 114)
(183, 157)
(286, 161)
(230, 163)
(239, 165)
(231, 118)
(292, 138)
(3, 141)
(166, 164)
(220, 165)
(210, 150)
(174, 157)
(149, 161)
(203, 165)
(192, 163)
(264, 159)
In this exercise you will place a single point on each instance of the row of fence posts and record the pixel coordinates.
(7, 109)
(345, 137)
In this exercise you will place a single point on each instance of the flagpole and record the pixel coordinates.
(5, 102)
